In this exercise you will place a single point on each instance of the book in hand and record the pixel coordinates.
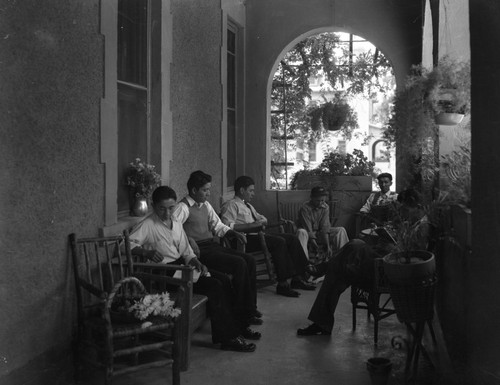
(384, 234)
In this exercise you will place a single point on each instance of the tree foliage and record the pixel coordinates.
(346, 73)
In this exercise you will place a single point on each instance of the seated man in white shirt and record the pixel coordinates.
(288, 256)
(377, 207)
(314, 227)
(201, 223)
(161, 239)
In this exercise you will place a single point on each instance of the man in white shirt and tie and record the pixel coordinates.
(286, 251)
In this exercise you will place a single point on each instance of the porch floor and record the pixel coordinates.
(283, 358)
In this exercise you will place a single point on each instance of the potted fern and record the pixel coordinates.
(411, 268)
(449, 91)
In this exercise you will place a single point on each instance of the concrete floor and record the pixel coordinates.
(282, 358)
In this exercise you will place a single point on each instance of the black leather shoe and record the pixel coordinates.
(250, 334)
(302, 285)
(238, 344)
(255, 321)
(287, 291)
(313, 330)
(317, 270)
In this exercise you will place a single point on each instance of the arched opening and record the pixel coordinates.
(330, 92)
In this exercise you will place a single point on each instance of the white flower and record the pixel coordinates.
(155, 304)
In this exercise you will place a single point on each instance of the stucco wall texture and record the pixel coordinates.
(52, 182)
(196, 92)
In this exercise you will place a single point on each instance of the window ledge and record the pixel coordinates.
(123, 223)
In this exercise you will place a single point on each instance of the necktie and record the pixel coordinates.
(251, 211)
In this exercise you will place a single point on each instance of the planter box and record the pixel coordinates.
(335, 183)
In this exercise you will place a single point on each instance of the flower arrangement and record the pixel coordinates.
(156, 305)
(143, 178)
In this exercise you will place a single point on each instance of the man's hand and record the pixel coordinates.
(198, 266)
(240, 237)
(194, 246)
(154, 256)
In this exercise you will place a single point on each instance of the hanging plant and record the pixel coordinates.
(449, 87)
(335, 115)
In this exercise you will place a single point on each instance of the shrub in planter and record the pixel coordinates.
(335, 165)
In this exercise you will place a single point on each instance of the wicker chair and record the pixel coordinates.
(108, 339)
(370, 300)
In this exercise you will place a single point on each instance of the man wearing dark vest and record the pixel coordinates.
(376, 208)
(201, 223)
(286, 251)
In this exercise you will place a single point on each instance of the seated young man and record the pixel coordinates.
(353, 265)
(200, 222)
(376, 208)
(161, 239)
(314, 226)
(288, 256)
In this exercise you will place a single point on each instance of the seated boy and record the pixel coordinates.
(161, 239)
(201, 223)
(314, 228)
(288, 257)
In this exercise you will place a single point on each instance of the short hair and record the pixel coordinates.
(242, 182)
(318, 191)
(197, 180)
(384, 175)
(409, 197)
(162, 193)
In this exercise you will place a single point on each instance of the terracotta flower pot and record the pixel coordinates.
(412, 284)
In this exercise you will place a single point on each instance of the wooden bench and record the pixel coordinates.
(193, 306)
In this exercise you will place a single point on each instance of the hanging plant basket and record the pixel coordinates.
(335, 115)
(449, 119)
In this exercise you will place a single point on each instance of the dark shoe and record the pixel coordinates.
(257, 314)
(317, 270)
(313, 330)
(255, 321)
(250, 334)
(287, 291)
(238, 344)
(302, 285)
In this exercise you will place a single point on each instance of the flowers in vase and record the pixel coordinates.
(143, 178)
(156, 305)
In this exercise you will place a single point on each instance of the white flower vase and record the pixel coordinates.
(140, 207)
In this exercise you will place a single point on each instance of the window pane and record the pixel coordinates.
(231, 81)
(132, 41)
(231, 147)
(132, 138)
(231, 41)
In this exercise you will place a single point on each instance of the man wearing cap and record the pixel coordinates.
(314, 226)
